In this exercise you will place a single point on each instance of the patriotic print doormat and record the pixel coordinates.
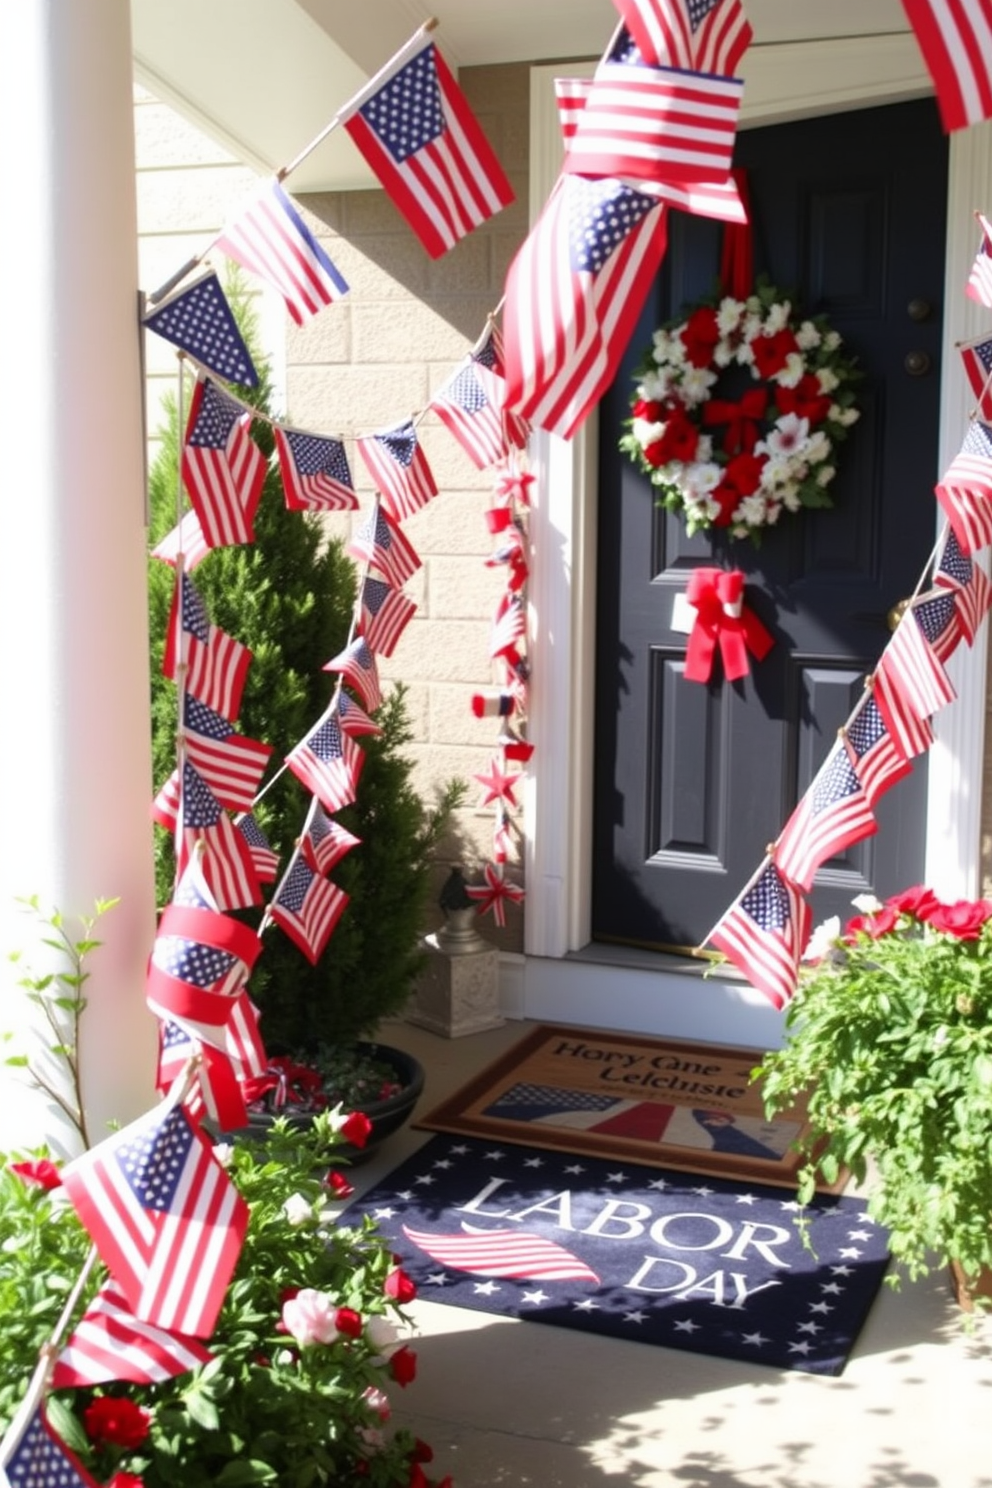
(640, 1253)
(649, 1100)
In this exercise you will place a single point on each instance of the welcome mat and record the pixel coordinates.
(678, 1104)
(640, 1253)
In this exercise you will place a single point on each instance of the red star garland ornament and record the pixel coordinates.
(499, 786)
(512, 486)
(493, 894)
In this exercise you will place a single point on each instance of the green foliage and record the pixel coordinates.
(890, 1033)
(269, 1407)
(60, 996)
(290, 597)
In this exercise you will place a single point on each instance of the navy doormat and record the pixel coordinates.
(641, 1253)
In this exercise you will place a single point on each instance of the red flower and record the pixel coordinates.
(403, 1365)
(649, 409)
(744, 473)
(963, 920)
(356, 1128)
(348, 1322)
(116, 1421)
(399, 1286)
(918, 902)
(126, 1480)
(40, 1174)
(418, 1478)
(875, 925)
(338, 1184)
(728, 500)
(772, 352)
(679, 440)
(700, 337)
(422, 1451)
(805, 400)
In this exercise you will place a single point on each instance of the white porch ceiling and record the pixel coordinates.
(264, 77)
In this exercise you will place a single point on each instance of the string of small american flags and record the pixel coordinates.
(765, 931)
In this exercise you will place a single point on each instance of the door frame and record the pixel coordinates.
(846, 74)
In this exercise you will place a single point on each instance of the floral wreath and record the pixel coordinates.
(737, 464)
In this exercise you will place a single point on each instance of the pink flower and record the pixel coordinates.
(310, 1316)
(41, 1174)
(377, 1401)
(399, 1286)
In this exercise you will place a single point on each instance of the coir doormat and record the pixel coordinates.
(640, 1253)
(648, 1100)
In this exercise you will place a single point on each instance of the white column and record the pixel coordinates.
(75, 738)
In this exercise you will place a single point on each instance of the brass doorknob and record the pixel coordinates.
(917, 363)
(896, 613)
(918, 309)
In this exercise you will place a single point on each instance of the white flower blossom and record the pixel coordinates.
(723, 354)
(696, 384)
(297, 1210)
(791, 499)
(728, 315)
(820, 943)
(700, 479)
(831, 340)
(778, 317)
(792, 373)
(224, 1153)
(808, 336)
(789, 435)
(828, 379)
(751, 511)
(645, 431)
(382, 1335)
(867, 904)
(772, 513)
(825, 475)
(844, 416)
(654, 387)
(817, 447)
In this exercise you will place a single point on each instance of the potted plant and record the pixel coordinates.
(290, 597)
(889, 1036)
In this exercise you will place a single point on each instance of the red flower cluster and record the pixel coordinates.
(964, 919)
(112, 1420)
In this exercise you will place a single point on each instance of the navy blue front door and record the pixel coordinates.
(693, 781)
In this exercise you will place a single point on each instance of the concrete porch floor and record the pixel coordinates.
(514, 1403)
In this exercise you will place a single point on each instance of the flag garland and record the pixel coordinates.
(956, 44)
(268, 237)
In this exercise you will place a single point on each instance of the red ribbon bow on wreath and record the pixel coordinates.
(722, 618)
(742, 419)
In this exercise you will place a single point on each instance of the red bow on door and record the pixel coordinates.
(722, 618)
(743, 419)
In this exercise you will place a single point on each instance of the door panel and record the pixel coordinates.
(692, 782)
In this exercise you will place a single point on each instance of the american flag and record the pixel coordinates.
(965, 490)
(199, 321)
(381, 543)
(227, 864)
(503, 1253)
(937, 616)
(471, 415)
(420, 137)
(357, 665)
(270, 239)
(326, 841)
(877, 760)
(909, 667)
(185, 538)
(698, 35)
(216, 664)
(328, 763)
(765, 933)
(491, 364)
(223, 468)
(231, 764)
(110, 1343)
(969, 582)
(509, 625)
(316, 475)
(352, 719)
(977, 358)
(910, 733)
(834, 813)
(396, 461)
(307, 907)
(979, 286)
(264, 858)
(656, 124)
(164, 1217)
(32, 1455)
(956, 43)
(573, 295)
(385, 614)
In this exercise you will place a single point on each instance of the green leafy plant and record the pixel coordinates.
(310, 1344)
(890, 1036)
(59, 993)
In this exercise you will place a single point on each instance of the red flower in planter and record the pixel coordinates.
(403, 1365)
(876, 925)
(356, 1128)
(116, 1421)
(40, 1173)
(964, 919)
(338, 1185)
(917, 901)
(348, 1322)
(399, 1286)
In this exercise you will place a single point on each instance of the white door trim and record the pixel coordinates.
(558, 812)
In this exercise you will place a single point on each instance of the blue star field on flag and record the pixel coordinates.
(200, 321)
(406, 112)
(601, 215)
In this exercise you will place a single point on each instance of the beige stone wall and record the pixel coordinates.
(376, 358)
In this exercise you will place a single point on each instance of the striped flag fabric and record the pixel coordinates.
(396, 461)
(472, 416)
(510, 1253)
(490, 361)
(764, 935)
(384, 614)
(269, 238)
(315, 472)
(227, 864)
(910, 733)
(187, 539)
(965, 489)
(834, 813)
(199, 320)
(326, 841)
(379, 542)
(977, 358)
(216, 665)
(876, 759)
(231, 764)
(222, 467)
(656, 124)
(166, 1220)
(307, 907)
(329, 764)
(352, 719)
(573, 295)
(423, 142)
(909, 667)
(968, 581)
(956, 43)
(698, 35)
(264, 858)
(979, 286)
(110, 1343)
(357, 665)
(940, 622)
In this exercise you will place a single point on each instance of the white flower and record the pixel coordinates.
(820, 943)
(772, 513)
(728, 315)
(789, 435)
(867, 904)
(817, 447)
(382, 1335)
(831, 340)
(655, 386)
(778, 317)
(309, 1316)
(751, 327)
(793, 371)
(808, 336)
(224, 1153)
(669, 347)
(297, 1210)
(645, 431)
(378, 1401)
(828, 379)
(791, 499)
(696, 384)
(845, 416)
(825, 475)
(751, 511)
(700, 479)
(723, 354)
